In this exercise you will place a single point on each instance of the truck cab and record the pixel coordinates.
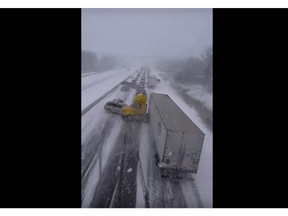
(137, 110)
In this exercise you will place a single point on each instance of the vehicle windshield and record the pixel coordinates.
(135, 105)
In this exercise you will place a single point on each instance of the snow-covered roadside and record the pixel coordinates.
(93, 93)
(198, 92)
(85, 80)
(195, 91)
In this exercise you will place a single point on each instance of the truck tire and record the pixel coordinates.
(129, 118)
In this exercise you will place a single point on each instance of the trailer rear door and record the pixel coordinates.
(191, 152)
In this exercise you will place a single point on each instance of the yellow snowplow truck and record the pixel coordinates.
(137, 111)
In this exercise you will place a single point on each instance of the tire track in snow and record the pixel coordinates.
(112, 171)
(108, 146)
(89, 184)
(106, 189)
(109, 176)
(102, 157)
(142, 197)
(91, 144)
(128, 181)
(88, 190)
(93, 114)
(151, 174)
(128, 178)
(91, 154)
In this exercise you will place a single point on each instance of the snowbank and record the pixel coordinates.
(102, 86)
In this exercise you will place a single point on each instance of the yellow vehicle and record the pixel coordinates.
(137, 111)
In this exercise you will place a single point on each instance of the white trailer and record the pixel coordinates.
(178, 140)
(152, 80)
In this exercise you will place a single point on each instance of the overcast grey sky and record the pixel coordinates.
(147, 32)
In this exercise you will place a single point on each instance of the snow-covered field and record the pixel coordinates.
(91, 73)
(100, 76)
(196, 91)
(94, 86)
(96, 120)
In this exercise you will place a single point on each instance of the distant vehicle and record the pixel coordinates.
(141, 85)
(124, 88)
(115, 106)
(125, 83)
(158, 80)
(152, 82)
(141, 90)
(134, 84)
(137, 111)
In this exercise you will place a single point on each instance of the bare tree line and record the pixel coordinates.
(192, 70)
(91, 62)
